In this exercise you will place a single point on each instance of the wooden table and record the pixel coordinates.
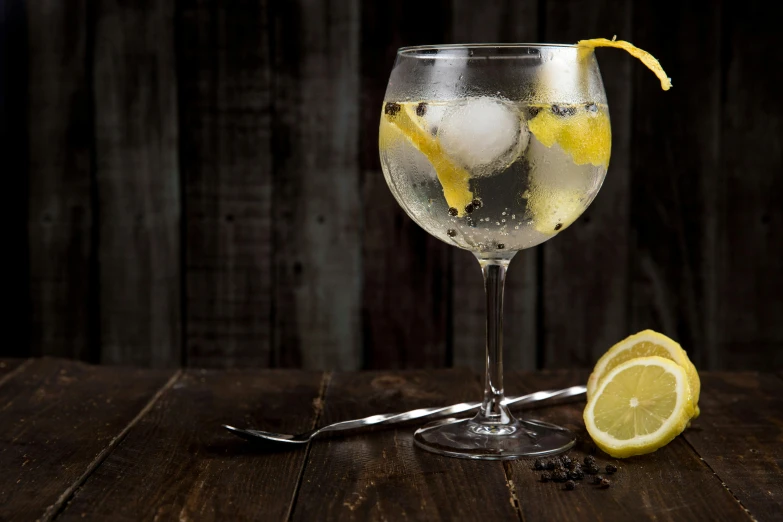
(107, 443)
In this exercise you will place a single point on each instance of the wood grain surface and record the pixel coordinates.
(91, 442)
(225, 108)
(9, 366)
(138, 183)
(748, 218)
(670, 484)
(61, 184)
(317, 203)
(405, 272)
(177, 463)
(382, 476)
(676, 158)
(739, 436)
(60, 419)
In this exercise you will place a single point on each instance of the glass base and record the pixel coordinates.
(468, 439)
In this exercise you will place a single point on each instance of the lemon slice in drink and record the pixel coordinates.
(454, 179)
(585, 135)
(644, 344)
(639, 407)
(553, 209)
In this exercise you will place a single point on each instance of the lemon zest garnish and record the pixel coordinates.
(647, 59)
(454, 179)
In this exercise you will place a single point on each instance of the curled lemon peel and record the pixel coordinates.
(647, 59)
(454, 179)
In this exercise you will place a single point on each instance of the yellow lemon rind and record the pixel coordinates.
(670, 428)
(454, 180)
(585, 136)
(676, 354)
(646, 58)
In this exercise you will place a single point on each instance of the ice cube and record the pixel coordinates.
(433, 114)
(484, 134)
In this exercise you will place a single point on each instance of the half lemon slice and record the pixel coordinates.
(640, 406)
(645, 344)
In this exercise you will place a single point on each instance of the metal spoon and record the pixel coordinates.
(395, 418)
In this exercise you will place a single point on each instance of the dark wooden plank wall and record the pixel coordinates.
(675, 147)
(749, 226)
(61, 213)
(406, 272)
(584, 271)
(204, 188)
(317, 204)
(225, 111)
(137, 182)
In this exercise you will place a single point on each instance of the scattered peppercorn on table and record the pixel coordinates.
(83, 442)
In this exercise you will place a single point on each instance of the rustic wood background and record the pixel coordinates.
(197, 183)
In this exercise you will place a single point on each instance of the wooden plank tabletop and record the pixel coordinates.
(110, 443)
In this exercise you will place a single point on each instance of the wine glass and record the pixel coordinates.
(494, 148)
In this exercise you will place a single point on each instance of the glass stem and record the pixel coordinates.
(492, 410)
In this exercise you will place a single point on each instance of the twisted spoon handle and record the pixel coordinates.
(445, 411)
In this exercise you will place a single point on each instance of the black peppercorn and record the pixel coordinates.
(570, 485)
(558, 226)
(501, 246)
(593, 470)
(392, 109)
(589, 460)
(597, 479)
(563, 111)
(611, 468)
(451, 232)
(421, 109)
(559, 476)
(533, 111)
(469, 208)
(605, 483)
(576, 474)
(546, 477)
(477, 204)
(567, 462)
(453, 211)
(538, 464)
(592, 107)
(550, 465)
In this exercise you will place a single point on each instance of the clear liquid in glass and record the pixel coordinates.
(523, 192)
